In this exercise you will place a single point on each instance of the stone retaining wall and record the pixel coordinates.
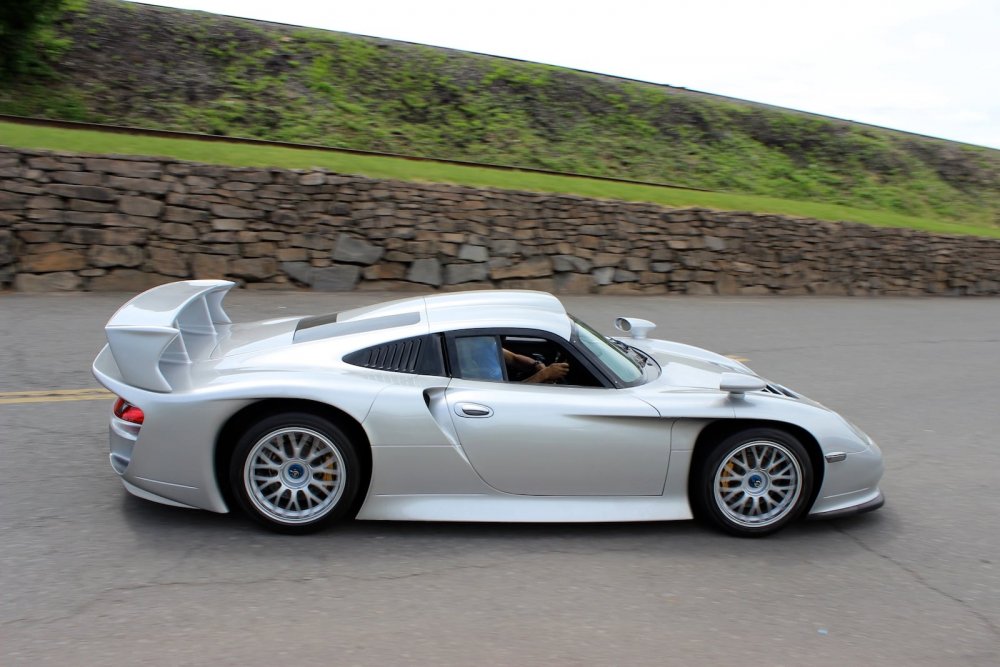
(82, 222)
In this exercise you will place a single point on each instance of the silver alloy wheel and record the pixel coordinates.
(758, 483)
(294, 475)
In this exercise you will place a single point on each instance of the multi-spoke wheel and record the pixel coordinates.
(753, 482)
(294, 472)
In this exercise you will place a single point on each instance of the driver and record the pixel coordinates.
(548, 374)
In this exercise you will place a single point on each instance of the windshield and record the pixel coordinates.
(613, 357)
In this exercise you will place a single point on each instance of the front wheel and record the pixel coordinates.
(754, 482)
(294, 472)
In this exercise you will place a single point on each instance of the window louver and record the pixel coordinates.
(421, 355)
(400, 357)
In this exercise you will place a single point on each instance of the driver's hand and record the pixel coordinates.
(554, 372)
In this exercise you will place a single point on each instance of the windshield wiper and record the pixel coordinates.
(619, 344)
(636, 355)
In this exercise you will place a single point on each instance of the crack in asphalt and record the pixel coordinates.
(40, 521)
(919, 578)
(101, 597)
(179, 561)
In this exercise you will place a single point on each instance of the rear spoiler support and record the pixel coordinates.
(173, 324)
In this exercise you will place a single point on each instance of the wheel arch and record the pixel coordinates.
(241, 420)
(721, 429)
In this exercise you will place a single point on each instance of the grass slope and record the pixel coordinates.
(87, 141)
(157, 67)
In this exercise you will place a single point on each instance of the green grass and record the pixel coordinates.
(144, 66)
(234, 154)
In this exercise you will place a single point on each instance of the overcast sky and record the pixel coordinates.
(925, 66)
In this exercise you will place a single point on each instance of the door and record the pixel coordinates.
(557, 440)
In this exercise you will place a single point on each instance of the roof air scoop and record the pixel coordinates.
(634, 327)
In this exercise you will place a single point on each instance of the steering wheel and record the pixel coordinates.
(555, 360)
(519, 374)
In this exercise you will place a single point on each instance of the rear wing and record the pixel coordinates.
(169, 325)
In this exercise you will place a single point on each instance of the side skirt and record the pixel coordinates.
(524, 509)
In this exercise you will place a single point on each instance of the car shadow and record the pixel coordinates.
(179, 528)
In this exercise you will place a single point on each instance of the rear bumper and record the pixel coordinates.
(139, 492)
(186, 490)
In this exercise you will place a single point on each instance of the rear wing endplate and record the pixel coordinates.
(173, 324)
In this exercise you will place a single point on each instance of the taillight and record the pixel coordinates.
(128, 412)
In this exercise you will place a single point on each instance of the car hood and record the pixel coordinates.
(689, 368)
(686, 366)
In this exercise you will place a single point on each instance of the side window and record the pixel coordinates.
(421, 355)
(478, 358)
(528, 348)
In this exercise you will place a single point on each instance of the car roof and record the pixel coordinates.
(478, 309)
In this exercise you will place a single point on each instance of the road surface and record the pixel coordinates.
(92, 576)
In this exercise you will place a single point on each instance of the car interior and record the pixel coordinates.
(548, 352)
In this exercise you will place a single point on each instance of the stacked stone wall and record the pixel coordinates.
(86, 222)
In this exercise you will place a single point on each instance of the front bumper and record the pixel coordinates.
(867, 506)
(851, 485)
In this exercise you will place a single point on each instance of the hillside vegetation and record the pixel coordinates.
(77, 140)
(164, 68)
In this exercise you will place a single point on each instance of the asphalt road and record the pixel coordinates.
(91, 576)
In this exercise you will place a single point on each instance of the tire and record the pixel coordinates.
(295, 472)
(753, 483)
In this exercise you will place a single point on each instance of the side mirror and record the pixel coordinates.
(634, 326)
(738, 383)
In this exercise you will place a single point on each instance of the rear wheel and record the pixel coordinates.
(295, 472)
(754, 482)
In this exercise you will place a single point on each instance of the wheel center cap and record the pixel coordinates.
(757, 483)
(294, 474)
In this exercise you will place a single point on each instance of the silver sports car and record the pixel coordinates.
(473, 406)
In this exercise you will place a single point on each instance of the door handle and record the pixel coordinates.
(473, 410)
